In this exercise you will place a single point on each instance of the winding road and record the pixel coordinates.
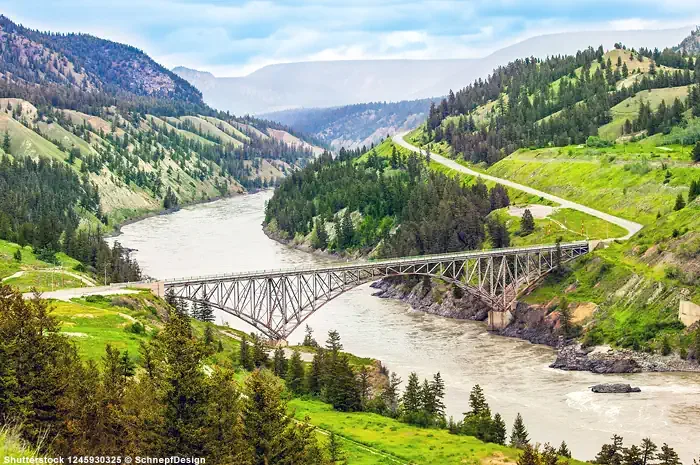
(631, 227)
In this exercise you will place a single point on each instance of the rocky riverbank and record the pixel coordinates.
(538, 324)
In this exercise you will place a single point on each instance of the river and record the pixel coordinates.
(226, 236)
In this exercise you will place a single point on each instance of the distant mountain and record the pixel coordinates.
(354, 126)
(82, 62)
(338, 83)
(691, 44)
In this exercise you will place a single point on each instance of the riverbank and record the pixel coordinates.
(538, 324)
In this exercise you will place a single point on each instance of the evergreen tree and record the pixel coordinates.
(208, 335)
(17, 256)
(244, 357)
(309, 340)
(342, 388)
(631, 455)
(321, 236)
(335, 450)
(680, 202)
(269, 430)
(185, 399)
(648, 451)
(390, 395)
(411, 399)
(564, 450)
(6, 143)
(314, 382)
(696, 151)
(527, 223)
(694, 191)
(438, 388)
(477, 402)
(295, 374)
(611, 454)
(206, 313)
(279, 365)
(364, 386)
(530, 455)
(498, 231)
(518, 436)
(668, 456)
(259, 353)
(498, 434)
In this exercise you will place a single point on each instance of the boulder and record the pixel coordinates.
(612, 388)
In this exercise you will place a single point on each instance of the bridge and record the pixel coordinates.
(276, 302)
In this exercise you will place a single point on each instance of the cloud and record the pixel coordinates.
(235, 37)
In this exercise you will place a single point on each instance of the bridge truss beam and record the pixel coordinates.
(276, 302)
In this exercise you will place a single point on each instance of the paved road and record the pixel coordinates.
(630, 226)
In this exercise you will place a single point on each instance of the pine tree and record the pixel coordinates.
(185, 399)
(648, 451)
(527, 223)
(611, 454)
(364, 386)
(427, 398)
(477, 401)
(342, 388)
(309, 340)
(680, 202)
(564, 450)
(321, 239)
(438, 387)
(518, 436)
(498, 434)
(295, 374)
(632, 455)
(390, 395)
(668, 456)
(696, 152)
(17, 256)
(694, 191)
(530, 455)
(335, 449)
(279, 365)
(259, 353)
(411, 400)
(333, 344)
(314, 381)
(6, 143)
(206, 313)
(208, 335)
(244, 357)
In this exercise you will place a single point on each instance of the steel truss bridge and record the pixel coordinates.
(276, 302)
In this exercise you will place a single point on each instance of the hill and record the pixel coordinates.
(355, 126)
(338, 83)
(95, 133)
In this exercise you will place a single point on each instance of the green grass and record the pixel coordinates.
(12, 445)
(30, 262)
(629, 108)
(44, 281)
(635, 191)
(407, 443)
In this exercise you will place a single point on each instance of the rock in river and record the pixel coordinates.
(614, 388)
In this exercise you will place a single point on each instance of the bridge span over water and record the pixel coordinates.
(276, 302)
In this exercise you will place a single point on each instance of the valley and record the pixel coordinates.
(492, 236)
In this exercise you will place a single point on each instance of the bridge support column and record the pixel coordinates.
(500, 319)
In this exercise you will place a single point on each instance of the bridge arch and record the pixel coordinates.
(276, 302)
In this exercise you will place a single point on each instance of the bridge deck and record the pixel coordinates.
(272, 273)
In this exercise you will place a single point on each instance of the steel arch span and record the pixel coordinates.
(276, 302)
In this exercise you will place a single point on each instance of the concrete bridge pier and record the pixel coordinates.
(500, 319)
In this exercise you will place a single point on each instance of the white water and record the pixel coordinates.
(226, 236)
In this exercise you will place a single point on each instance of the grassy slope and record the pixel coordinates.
(93, 323)
(29, 261)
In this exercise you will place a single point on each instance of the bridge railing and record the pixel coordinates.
(378, 263)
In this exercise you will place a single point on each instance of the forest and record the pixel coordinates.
(404, 206)
(530, 112)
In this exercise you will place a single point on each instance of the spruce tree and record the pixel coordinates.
(518, 436)
(6, 143)
(527, 223)
(530, 455)
(314, 381)
(295, 374)
(342, 388)
(680, 202)
(648, 451)
(390, 395)
(411, 400)
(477, 402)
(335, 449)
(564, 450)
(244, 358)
(694, 191)
(364, 386)
(206, 313)
(696, 152)
(668, 456)
(427, 400)
(259, 353)
(279, 364)
(208, 335)
(438, 387)
(309, 340)
(498, 434)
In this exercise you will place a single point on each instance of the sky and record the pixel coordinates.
(234, 38)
